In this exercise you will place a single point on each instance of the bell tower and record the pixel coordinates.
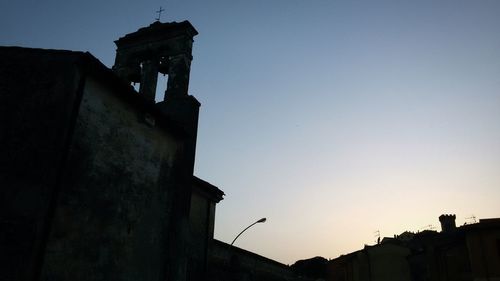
(164, 48)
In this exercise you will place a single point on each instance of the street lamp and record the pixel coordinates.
(259, 221)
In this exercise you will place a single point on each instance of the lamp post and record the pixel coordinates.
(259, 221)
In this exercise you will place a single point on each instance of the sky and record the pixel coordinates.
(332, 119)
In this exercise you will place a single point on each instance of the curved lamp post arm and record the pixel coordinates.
(259, 221)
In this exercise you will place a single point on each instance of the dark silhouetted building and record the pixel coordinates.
(314, 268)
(470, 252)
(381, 262)
(97, 179)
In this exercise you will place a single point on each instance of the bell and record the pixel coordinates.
(164, 65)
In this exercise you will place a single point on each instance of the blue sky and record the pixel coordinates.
(333, 119)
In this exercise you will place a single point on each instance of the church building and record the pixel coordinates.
(97, 179)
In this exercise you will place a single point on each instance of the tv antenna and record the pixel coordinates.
(472, 219)
(428, 227)
(377, 234)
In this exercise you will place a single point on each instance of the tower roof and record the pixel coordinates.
(158, 31)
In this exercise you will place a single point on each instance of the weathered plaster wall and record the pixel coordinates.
(38, 91)
(111, 221)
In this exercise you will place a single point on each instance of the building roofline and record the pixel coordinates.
(95, 68)
(236, 249)
(91, 66)
(482, 224)
(164, 30)
(205, 187)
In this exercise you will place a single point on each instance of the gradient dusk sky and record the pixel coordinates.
(333, 119)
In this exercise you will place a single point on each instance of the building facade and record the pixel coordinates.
(97, 178)
(469, 252)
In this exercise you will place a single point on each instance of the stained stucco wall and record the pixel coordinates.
(38, 90)
(111, 220)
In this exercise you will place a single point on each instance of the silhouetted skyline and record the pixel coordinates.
(333, 119)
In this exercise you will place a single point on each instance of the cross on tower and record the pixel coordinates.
(159, 13)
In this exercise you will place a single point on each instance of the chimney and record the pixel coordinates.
(447, 223)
